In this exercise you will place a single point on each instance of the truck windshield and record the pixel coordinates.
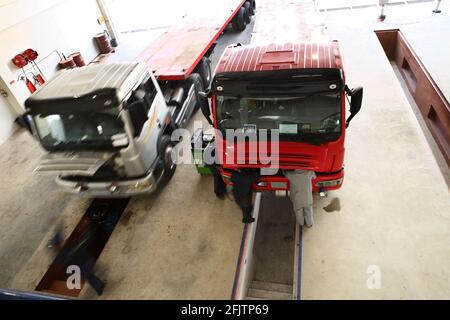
(310, 118)
(83, 130)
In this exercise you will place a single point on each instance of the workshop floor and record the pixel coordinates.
(392, 214)
(392, 217)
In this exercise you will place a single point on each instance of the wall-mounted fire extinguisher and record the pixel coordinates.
(21, 60)
(31, 85)
(31, 57)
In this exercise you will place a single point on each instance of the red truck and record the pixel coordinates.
(298, 89)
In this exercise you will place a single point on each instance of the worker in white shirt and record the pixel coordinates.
(301, 195)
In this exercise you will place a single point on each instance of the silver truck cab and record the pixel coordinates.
(106, 129)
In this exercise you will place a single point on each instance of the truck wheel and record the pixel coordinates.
(166, 156)
(248, 11)
(252, 7)
(204, 70)
(238, 21)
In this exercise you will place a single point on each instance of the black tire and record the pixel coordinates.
(247, 7)
(238, 21)
(204, 70)
(248, 11)
(165, 152)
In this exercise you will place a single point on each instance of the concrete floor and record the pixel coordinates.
(394, 206)
(393, 212)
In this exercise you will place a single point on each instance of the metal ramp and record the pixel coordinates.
(268, 266)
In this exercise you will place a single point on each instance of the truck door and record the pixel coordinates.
(148, 126)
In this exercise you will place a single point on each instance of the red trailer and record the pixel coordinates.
(179, 58)
(176, 54)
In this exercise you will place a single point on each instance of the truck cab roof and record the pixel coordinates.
(302, 55)
(110, 81)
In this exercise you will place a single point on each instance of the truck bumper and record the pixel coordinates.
(111, 189)
(323, 182)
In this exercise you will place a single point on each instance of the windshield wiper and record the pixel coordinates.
(317, 141)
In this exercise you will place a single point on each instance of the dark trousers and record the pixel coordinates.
(242, 190)
(220, 188)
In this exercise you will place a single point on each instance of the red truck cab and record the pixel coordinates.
(297, 89)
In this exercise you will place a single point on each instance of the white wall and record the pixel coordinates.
(14, 11)
(6, 116)
(45, 26)
(6, 121)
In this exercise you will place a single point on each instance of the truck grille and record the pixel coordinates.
(285, 159)
(85, 164)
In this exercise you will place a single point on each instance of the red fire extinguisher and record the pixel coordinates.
(30, 85)
(23, 59)
(31, 56)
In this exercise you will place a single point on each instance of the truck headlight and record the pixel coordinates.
(329, 183)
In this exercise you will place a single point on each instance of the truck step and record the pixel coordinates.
(271, 286)
(268, 295)
(260, 290)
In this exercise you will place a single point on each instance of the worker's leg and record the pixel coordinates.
(299, 216)
(247, 215)
(243, 193)
(244, 200)
(220, 188)
(308, 213)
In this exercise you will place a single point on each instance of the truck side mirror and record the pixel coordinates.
(355, 103)
(204, 104)
(205, 94)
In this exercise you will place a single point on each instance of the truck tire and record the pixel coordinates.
(248, 11)
(238, 21)
(204, 70)
(166, 147)
(252, 7)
